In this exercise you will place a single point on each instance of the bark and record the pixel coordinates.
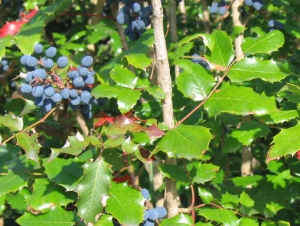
(164, 81)
(236, 18)
(206, 20)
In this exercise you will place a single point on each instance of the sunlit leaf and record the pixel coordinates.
(30, 144)
(123, 77)
(185, 141)
(128, 213)
(127, 98)
(11, 121)
(178, 220)
(92, 187)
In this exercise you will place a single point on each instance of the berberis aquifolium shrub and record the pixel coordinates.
(227, 153)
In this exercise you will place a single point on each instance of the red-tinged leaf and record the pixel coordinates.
(102, 118)
(11, 28)
(146, 153)
(121, 179)
(30, 145)
(298, 155)
(154, 132)
(28, 16)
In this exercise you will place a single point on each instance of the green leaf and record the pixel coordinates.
(11, 121)
(29, 106)
(93, 186)
(279, 116)
(221, 216)
(185, 141)
(247, 203)
(13, 182)
(104, 90)
(268, 223)
(205, 195)
(138, 60)
(286, 142)
(247, 181)
(127, 98)
(29, 36)
(229, 201)
(56, 216)
(205, 172)
(123, 77)
(64, 172)
(46, 195)
(2, 204)
(105, 220)
(249, 221)
(221, 52)
(249, 132)
(129, 146)
(251, 68)
(174, 172)
(127, 213)
(156, 92)
(17, 201)
(30, 145)
(194, 82)
(4, 42)
(178, 220)
(240, 101)
(267, 43)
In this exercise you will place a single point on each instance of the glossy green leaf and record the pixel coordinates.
(240, 101)
(11, 121)
(249, 132)
(93, 186)
(104, 90)
(251, 68)
(2, 204)
(222, 51)
(30, 144)
(247, 203)
(205, 172)
(126, 212)
(138, 60)
(174, 172)
(4, 42)
(156, 92)
(29, 106)
(249, 221)
(268, 223)
(229, 201)
(46, 195)
(279, 116)
(17, 201)
(267, 43)
(105, 220)
(185, 141)
(286, 142)
(12, 182)
(123, 77)
(178, 220)
(205, 195)
(127, 98)
(65, 172)
(222, 216)
(129, 146)
(74, 146)
(56, 216)
(194, 82)
(29, 36)
(247, 181)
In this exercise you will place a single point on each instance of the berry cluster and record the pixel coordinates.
(197, 59)
(256, 4)
(5, 65)
(275, 25)
(135, 17)
(151, 215)
(220, 8)
(48, 88)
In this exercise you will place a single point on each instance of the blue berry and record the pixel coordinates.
(56, 97)
(62, 62)
(145, 193)
(29, 77)
(49, 91)
(86, 97)
(38, 48)
(73, 93)
(65, 93)
(48, 63)
(51, 52)
(37, 91)
(31, 61)
(26, 88)
(75, 101)
(78, 82)
(49, 105)
(73, 74)
(87, 61)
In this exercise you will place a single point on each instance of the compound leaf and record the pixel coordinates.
(93, 185)
(185, 141)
